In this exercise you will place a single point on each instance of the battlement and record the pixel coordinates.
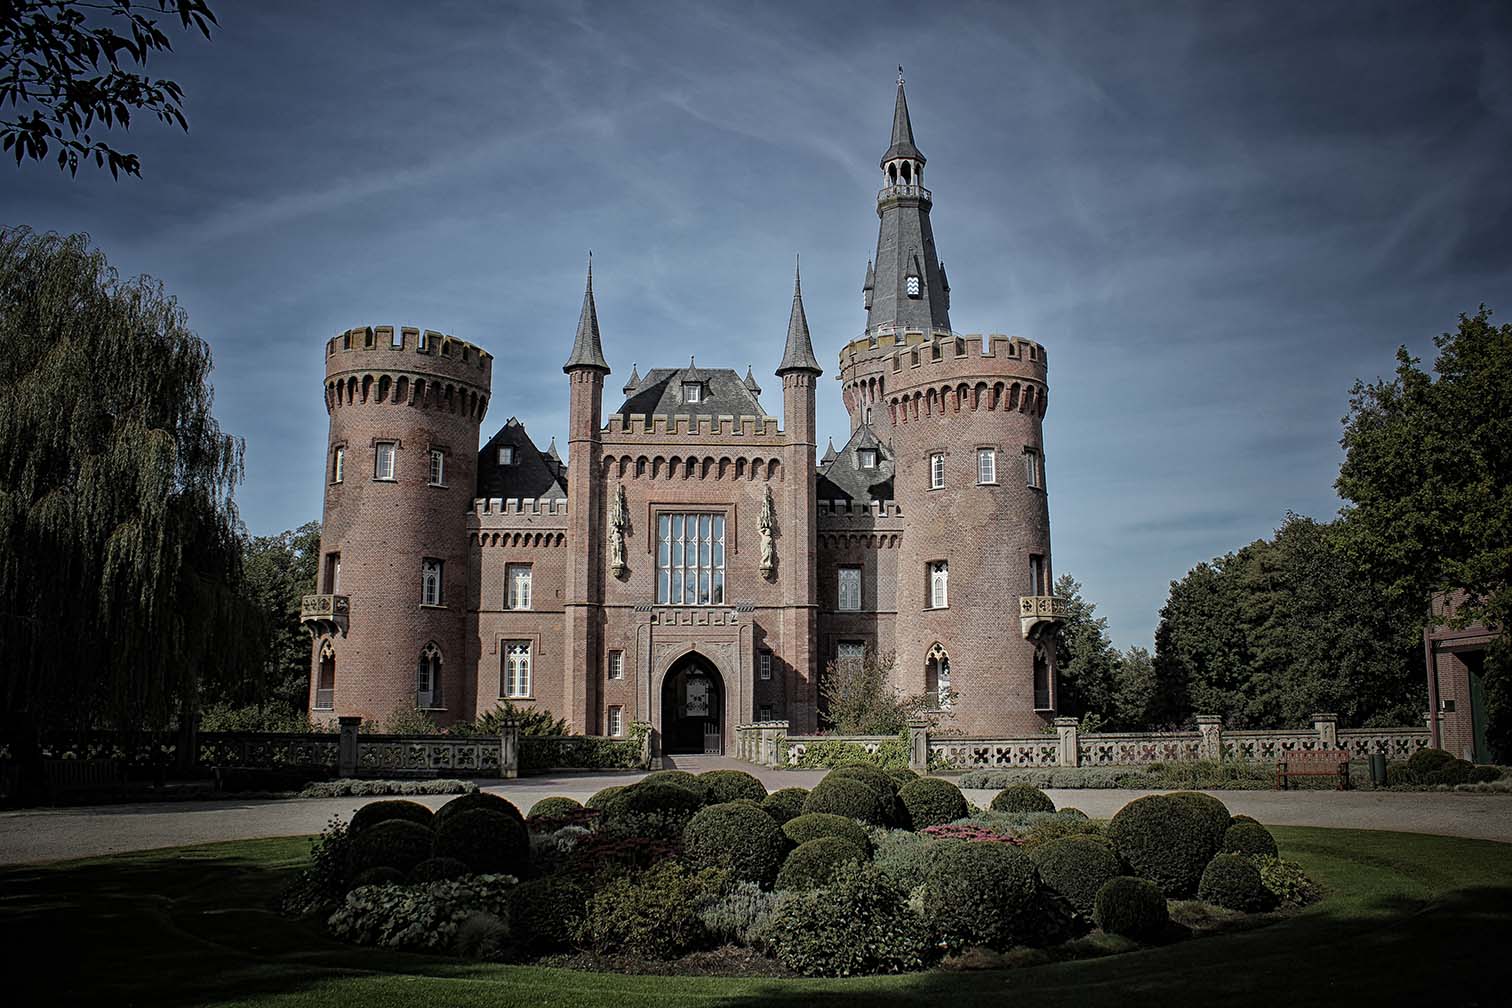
(408, 349)
(657, 425)
(838, 509)
(898, 351)
(518, 506)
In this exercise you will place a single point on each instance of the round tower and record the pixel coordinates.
(389, 618)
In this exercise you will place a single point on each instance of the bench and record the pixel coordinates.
(1313, 763)
(81, 775)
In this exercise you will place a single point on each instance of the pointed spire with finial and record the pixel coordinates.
(634, 381)
(551, 451)
(829, 453)
(750, 382)
(587, 350)
(902, 130)
(798, 355)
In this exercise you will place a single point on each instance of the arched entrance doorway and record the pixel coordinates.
(693, 707)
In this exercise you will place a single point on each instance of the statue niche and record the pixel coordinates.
(768, 526)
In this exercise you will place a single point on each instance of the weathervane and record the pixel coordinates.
(900, 75)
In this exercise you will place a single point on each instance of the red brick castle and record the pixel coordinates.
(690, 565)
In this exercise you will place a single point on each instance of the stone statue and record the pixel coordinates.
(619, 517)
(768, 525)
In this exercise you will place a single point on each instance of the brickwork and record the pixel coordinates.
(1451, 654)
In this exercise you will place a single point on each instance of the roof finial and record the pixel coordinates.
(797, 275)
(900, 75)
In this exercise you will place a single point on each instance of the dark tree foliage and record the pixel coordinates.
(1428, 474)
(120, 548)
(1107, 690)
(65, 75)
(1284, 628)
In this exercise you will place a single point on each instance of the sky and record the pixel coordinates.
(1215, 217)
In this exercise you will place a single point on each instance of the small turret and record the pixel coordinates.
(750, 382)
(587, 351)
(634, 381)
(798, 355)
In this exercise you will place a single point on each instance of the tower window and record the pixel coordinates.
(868, 456)
(517, 579)
(428, 678)
(437, 467)
(1037, 584)
(937, 471)
(616, 664)
(325, 679)
(849, 589)
(615, 720)
(333, 573)
(911, 286)
(383, 460)
(506, 455)
(1032, 474)
(939, 584)
(514, 680)
(338, 464)
(692, 392)
(986, 465)
(430, 581)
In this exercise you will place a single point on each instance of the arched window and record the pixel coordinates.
(428, 678)
(325, 678)
(937, 677)
(1042, 698)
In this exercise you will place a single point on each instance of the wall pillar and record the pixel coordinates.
(918, 747)
(1210, 727)
(1327, 727)
(509, 749)
(346, 747)
(1068, 754)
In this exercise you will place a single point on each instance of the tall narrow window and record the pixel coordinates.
(1037, 575)
(986, 465)
(937, 677)
(430, 582)
(850, 589)
(338, 464)
(690, 565)
(616, 720)
(517, 578)
(428, 678)
(1032, 474)
(939, 584)
(383, 460)
(437, 467)
(514, 681)
(616, 664)
(936, 471)
(766, 664)
(325, 679)
(764, 713)
(333, 573)
(850, 656)
(1042, 698)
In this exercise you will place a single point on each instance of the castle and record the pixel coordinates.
(690, 565)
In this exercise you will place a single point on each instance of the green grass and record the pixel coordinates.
(1407, 919)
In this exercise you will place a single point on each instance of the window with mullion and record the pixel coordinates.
(690, 559)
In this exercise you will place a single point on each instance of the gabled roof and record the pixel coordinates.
(724, 394)
(535, 473)
(844, 478)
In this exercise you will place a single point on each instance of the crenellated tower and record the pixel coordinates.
(389, 618)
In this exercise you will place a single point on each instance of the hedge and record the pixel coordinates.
(478, 800)
(731, 785)
(1022, 798)
(380, 811)
(583, 752)
(1215, 814)
(555, 806)
(651, 809)
(1164, 840)
(814, 863)
(812, 825)
(488, 842)
(983, 893)
(438, 869)
(737, 838)
(930, 801)
(1249, 838)
(394, 843)
(784, 804)
(1132, 907)
(849, 798)
(1077, 868)
(1233, 882)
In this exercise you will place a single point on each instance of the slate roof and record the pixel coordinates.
(724, 393)
(843, 478)
(534, 473)
(587, 349)
(902, 132)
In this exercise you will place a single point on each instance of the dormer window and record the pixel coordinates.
(911, 285)
(506, 456)
(692, 392)
(868, 458)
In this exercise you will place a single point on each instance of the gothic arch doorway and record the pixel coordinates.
(693, 702)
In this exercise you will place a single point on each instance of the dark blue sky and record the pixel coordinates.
(1214, 215)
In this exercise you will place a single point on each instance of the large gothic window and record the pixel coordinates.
(937, 677)
(690, 562)
(428, 678)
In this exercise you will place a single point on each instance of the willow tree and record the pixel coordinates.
(119, 538)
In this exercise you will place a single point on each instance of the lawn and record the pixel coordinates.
(1408, 919)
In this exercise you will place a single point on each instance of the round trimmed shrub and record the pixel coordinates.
(680, 778)
(737, 837)
(1215, 814)
(1233, 882)
(1454, 772)
(1249, 838)
(1484, 774)
(1076, 867)
(394, 843)
(813, 864)
(1132, 907)
(551, 808)
(1426, 761)
(873, 777)
(1164, 840)
(600, 800)
(378, 876)
(655, 809)
(784, 804)
(902, 775)
(930, 801)
(984, 893)
(731, 785)
(1242, 818)
(812, 825)
(390, 808)
(438, 869)
(1071, 811)
(849, 798)
(1022, 798)
(478, 800)
(1046, 828)
(487, 842)
(859, 925)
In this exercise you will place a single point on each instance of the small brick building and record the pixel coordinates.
(690, 564)
(1456, 662)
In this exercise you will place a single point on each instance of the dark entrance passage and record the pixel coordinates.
(693, 708)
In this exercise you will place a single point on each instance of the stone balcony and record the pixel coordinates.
(325, 614)
(1039, 613)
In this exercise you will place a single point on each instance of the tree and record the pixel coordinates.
(1428, 474)
(860, 699)
(120, 547)
(1086, 661)
(64, 73)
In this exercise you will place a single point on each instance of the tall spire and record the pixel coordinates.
(798, 355)
(587, 351)
(902, 131)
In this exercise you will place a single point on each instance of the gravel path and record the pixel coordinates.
(36, 836)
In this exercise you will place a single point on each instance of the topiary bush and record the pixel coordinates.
(1249, 838)
(653, 915)
(600, 799)
(1456, 771)
(737, 838)
(554, 808)
(1285, 880)
(1231, 881)
(1215, 814)
(1428, 760)
(813, 864)
(858, 925)
(381, 811)
(1164, 840)
(731, 785)
(984, 893)
(1077, 867)
(849, 798)
(1022, 798)
(812, 825)
(930, 801)
(545, 913)
(784, 804)
(478, 800)
(876, 778)
(902, 775)
(378, 876)
(1132, 907)
(654, 809)
(487, 842)
(1048, 828)
(394, 843)
(680, 778)
(438, 869)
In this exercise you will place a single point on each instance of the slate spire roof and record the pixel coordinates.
(750, 382)
(587, 351)
(798, 355)
(902, 130)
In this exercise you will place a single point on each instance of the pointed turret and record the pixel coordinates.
(634, 382)
(902, 131)
(551, 451)
(587, 351)
(798, 355)
(750, 382)
(829, 453)
(868, 285)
